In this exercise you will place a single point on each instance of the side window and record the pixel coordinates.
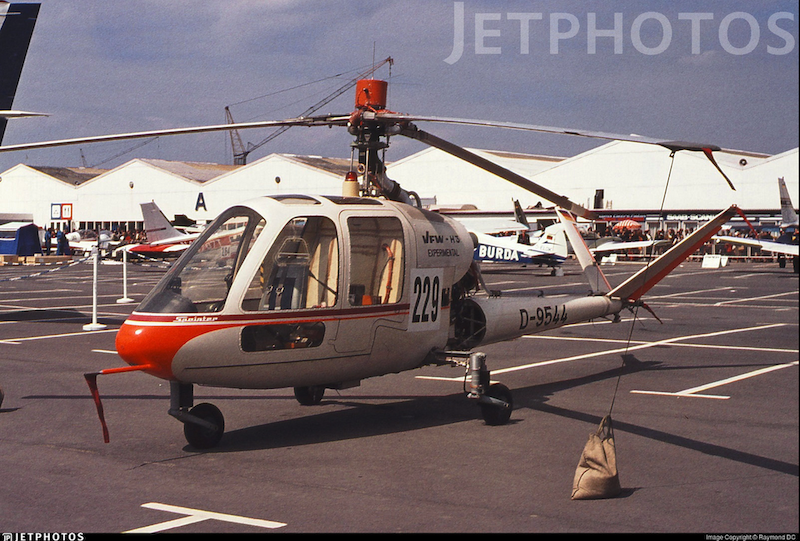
(301, 269)
(376, 260)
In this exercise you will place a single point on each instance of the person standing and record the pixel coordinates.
(62, 244)
(48, 239)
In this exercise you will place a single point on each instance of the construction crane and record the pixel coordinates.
(240, 153)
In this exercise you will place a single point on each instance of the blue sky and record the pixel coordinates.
(718, 72)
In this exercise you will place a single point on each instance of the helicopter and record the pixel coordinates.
(321, 292)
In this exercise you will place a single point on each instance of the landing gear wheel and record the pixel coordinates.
(201, 437)
(495, 415)
(309, 396)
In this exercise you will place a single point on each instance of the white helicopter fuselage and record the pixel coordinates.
(316, 292)
(304, 291)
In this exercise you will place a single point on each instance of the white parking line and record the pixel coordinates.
(746, 299)
(694, 390)
(688, 293)
(552, 286)
(197, 515)
(676, 344)
(48, 336)
(634, 347)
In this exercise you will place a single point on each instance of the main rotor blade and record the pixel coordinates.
(20, 114)
(415, 133)
(400, 117)
(326, 120)
(673, 146)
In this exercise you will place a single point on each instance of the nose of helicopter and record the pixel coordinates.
(141, 345)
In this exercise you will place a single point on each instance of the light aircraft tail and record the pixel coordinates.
(553, 241)
(16, 28)
(156, 225)
(788, 215)
(519, 215)
(549, 239)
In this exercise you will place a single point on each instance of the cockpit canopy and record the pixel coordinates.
(301, 268)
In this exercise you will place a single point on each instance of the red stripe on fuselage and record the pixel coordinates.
(154, 339)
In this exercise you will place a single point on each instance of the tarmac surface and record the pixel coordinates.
(705, 410)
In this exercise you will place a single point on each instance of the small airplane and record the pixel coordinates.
(544, 246)
(167, 240)
(787, 243)
(163, 239)
(529, 246)
(550, 248)
(612, 244)
(84, 241)
(16, 28)
(320, 292)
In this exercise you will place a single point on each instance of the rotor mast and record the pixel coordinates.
(370, 147)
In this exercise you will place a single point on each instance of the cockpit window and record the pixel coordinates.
(301, 269)
(200, 280)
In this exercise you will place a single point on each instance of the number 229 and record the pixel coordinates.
(426, 291)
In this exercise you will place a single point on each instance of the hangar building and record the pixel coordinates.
(618, 178)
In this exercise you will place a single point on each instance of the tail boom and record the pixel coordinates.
(507, 316)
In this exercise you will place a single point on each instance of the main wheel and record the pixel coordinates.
(309, 396)
(202, 437)
(497, 415)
